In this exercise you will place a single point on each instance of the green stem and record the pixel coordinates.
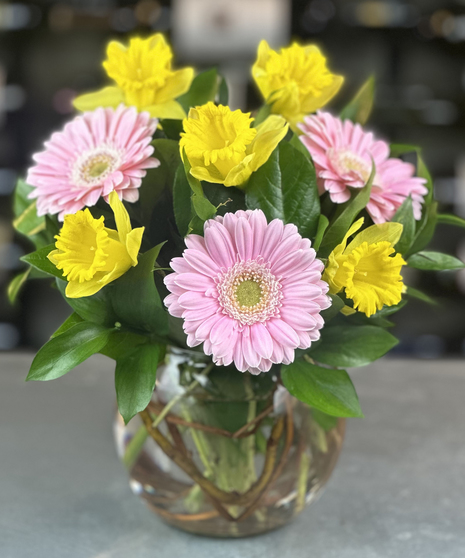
(302, 482)
(134, 447)
(249, 442)
(167, 408)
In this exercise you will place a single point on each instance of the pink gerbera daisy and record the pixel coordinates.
(98, 152)
(250, 291)
(342, 153)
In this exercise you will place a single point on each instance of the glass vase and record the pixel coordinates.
(222, 453)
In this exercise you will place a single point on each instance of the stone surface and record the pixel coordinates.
(398, 490)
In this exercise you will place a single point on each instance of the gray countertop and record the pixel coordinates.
(398, 490)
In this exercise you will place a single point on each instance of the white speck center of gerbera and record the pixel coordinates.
(346, 161)
(249, 292)
(94, 165)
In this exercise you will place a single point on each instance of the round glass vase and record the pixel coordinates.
(221, 453)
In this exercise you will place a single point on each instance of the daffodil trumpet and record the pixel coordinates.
(90, 255)
(367, 269)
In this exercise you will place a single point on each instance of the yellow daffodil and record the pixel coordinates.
(90, 255)
(365, 268)
(222, 147)
(294, 82)
(144, 79)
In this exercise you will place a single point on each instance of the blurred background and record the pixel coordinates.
(50, 51)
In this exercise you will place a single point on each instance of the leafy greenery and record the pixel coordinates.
(359, 109)
(64, 352)
(135, 377)
(203, 89)
(285, 188)
(404, 216)
(39, 260)
(350, 346)
(135, 299)
(434, 261)
(335, 233)
(329, 391)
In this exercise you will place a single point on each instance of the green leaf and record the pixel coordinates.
(425, 229)
(63, 353)
(172, 128)
(285, 188)
(451, 220)
(223, 198)
(352, 208)
(202, 207)
(297, 144)
(397, 149)
(135, 377)
(415, 293)
(262, 114)
(223, 92)
(16, 284)
(122, 343)
(337, 304)
(423, 172)
(359, 109)
(203, 89)
(434, 261)
(70, 322)
(350, 346)
(320, 231)
(26, 220)
(404, 216)
(40, 261)
(96, 308)
(135, 298)
(182, 201)
(264, 189)
(301, 200)
(329, 391)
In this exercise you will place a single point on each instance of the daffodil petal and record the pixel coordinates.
(177, 84)
(238, 175)
(312, 104)
(106, 97)
(389, 232)
(352, 229)
(269, 134)
(133, 242)
(74, 289)
(170, 109)
(123, 223)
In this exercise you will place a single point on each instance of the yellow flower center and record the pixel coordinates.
(248, 293)
(346, 162)
(372, 277)
(216, 134)
(94, 165)
(145, 64)
(81, 246)
(294, 66)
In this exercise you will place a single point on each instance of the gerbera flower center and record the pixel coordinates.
(93, 166)
(215, 132)
(249, 292)
(346, 162)
(81, 245)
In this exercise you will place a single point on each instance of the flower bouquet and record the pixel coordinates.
(232, 266)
